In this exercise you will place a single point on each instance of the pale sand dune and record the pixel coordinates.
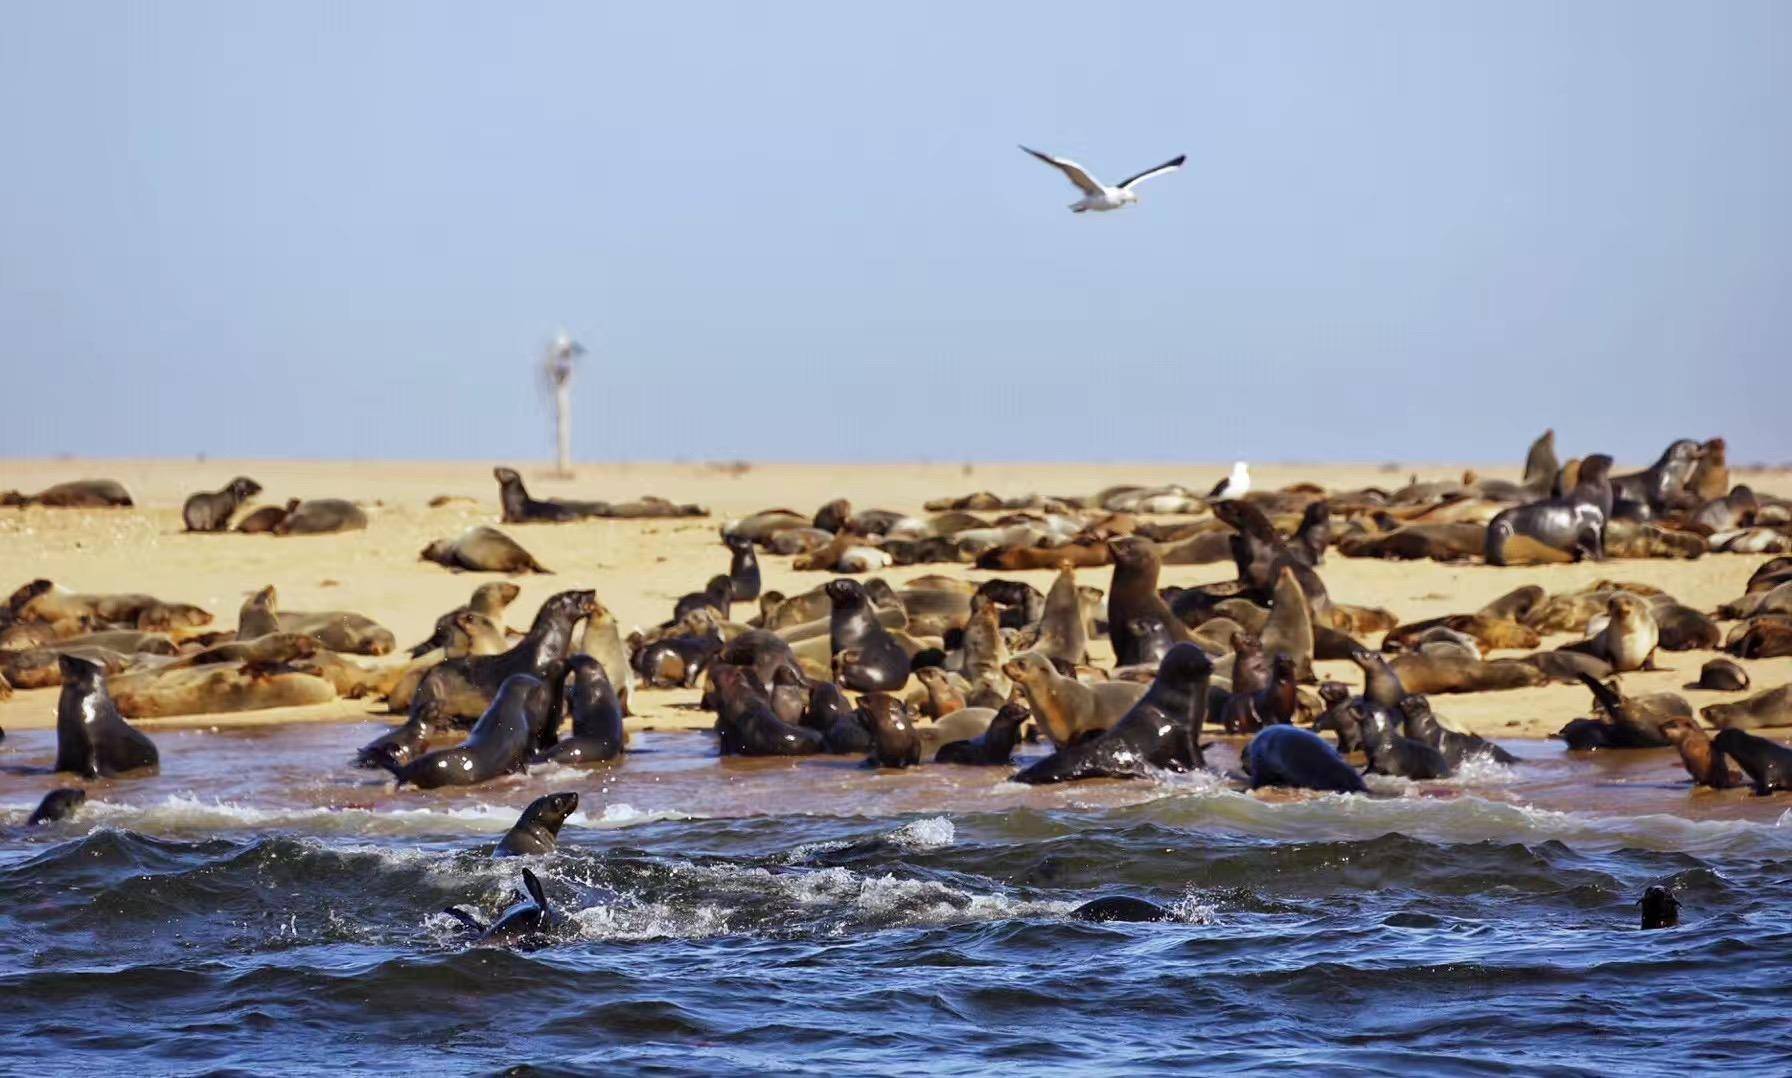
(640, 567)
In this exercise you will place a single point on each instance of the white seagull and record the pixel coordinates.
(1236, 485)
(1096, 195)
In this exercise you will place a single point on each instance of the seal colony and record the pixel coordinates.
(992, 670)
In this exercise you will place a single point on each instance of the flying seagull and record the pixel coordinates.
(1096, 195)
(1233, 486)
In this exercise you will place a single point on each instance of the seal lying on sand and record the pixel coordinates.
(78, 494)
(322, 516)
(483, 549)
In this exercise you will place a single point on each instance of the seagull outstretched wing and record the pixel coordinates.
(1077, 175)
(1171, 165)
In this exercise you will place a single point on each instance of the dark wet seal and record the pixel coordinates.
(1120, 908)
(537, 830)
(58, 805)
(1660, 909)
(520, 924)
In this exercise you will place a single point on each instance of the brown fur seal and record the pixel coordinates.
(465, 687)
(1711, 475)
(322, 516)
(266, 520)
(1721, 675)
(338, 630)
(1289, 630)
(519, 508)
(1574, 523)
(1426, 674)
(92, 738)
(894, 742)
(1628, 638)
(1703, 762)
(56, 605)
(78, 494)
(488, 601)
(602, 641)
(1770, 708)
(210, 511)
(483, 549)
(1066, 709)
(217, 689)
(1133, 595)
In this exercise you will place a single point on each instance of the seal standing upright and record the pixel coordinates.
(92, 738)
(211, 511)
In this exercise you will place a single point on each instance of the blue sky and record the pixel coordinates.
(804, 231)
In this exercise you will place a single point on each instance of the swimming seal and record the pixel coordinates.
(58, 805)
(322, 516)
(1659, 908)
(1292, 756)
(743, 568)
(483, 549)
(519, 924)
(498, 744)
(894, 742)
(597, 733)
(92, 738)
(537, 829)
(210, 511)
(882, 664)
(1768, 764)
(993, 747)
(1120, 908)
(1574, 523)
(1161, 732)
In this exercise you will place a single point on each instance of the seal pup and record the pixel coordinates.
(1772, 707)
(536, 830)
(882, 664)
(489, 601)
(322, 516)
(528, 918)
(1659, 908)
(483, 549)
(743, 568)
(894, 742)
(995, 746)
(92, 738)
(1381, 684)
(58, 805)
(1699, 755)
(602, 641)
(597, 731)
(404, 743)
(1768, 764)
(1161, 732)
(210, 511)
(1421, 724)
(266, 520)
(497, 745)
(1120, 908)
(1062, 633)
(1628, 638)
(1297, 757)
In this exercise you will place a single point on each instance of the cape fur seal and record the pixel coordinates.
(497, 745)
(322, 516)
(538, 828)
(92, 738)
(1161, 732)
(210, 511)
(483, 549)
(76, 494)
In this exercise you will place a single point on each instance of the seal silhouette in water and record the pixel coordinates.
(538, 827)
(1292, 756)
(1660, 909)
(58, 805)
(529, 917)
(1120, 908)
(92, 739)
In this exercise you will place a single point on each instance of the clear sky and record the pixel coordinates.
(1410, 231)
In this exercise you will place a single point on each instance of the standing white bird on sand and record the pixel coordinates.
(1098, 196)
(1236, 485)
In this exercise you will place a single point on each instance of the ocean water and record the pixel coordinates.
(260, 906)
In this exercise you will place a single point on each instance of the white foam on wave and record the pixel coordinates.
(928, 834)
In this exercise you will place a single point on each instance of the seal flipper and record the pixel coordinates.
(535, 892)
(466, 919)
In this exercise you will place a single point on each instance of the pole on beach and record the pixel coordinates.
(559, 371)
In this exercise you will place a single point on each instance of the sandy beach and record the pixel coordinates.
(639, 568)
